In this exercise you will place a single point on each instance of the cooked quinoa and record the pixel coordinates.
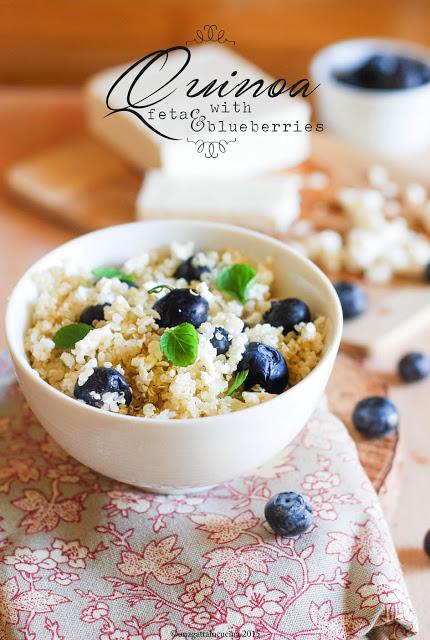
(128, 339)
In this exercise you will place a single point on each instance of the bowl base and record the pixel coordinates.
(175, 491)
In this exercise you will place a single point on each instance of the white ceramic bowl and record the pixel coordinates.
(176, 455)
(389, 123)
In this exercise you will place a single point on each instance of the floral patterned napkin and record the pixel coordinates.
(83, 557)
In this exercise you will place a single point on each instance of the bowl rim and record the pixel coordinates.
(330, 350)
(321, 65)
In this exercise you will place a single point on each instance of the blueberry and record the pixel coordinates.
(287, 313)
(181, 305)
(375, 417)
(189, 270)
(387, 71)
(266, 366)
(352, 297)
(93, 312)
(414, 366)
(102, 380)
(288, 513)
(427, 543)
(220, 341)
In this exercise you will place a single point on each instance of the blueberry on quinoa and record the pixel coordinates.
(220, 341)
(93, 312)
(266, 367)
(352, 298)
(426, 544)
(102, 380)
(375, 417)
(414, 366)
(288, 513)
(287, 313)
(189, 270)
(181, 305)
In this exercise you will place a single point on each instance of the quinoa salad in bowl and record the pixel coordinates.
(175, 332)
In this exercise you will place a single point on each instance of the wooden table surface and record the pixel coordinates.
(31, 119)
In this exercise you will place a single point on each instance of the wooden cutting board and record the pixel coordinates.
(350, 382)
(85, 185)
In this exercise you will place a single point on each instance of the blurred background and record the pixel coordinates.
(48, 49)
(47, 42)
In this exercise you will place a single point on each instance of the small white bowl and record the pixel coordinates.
(389, 123)
(187, 454)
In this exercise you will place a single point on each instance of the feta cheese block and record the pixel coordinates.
(268, 203)
(267, 132)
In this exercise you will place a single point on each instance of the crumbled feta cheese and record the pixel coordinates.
(317, 180)
(415, 195)
(379, 273)
(182, 251)
(92, 341)
(392, 208)
(360, 202)
(86, 371)
(112, 401)
(302, 228)
(204, 291)
(230, 321)
(41, 350)
(137, 264)
(378, 175)
(379, 243)
(68, 359)
(325, 249)
(307, 330)
(265, 333)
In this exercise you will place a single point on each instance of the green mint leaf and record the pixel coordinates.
(237, 382)
(160, 287)
(111, 272)
(180, 345)
(68, 336)
(236, 280)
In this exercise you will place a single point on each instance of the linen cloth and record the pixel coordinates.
(84, 557)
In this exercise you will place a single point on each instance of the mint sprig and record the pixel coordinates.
(236, 280)
(111, 272)
(68, 336)
(237, 381)
(180, 345)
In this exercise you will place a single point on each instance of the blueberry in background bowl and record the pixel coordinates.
(375, 94)
(386, 71)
